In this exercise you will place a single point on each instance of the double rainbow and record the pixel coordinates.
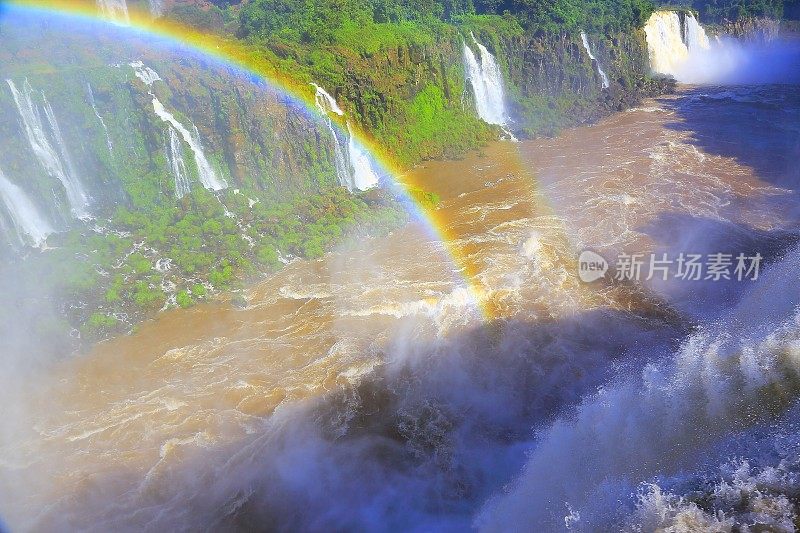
(234, 54)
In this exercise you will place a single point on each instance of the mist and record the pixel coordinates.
(742, 61)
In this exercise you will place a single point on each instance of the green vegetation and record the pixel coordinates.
(732, 10)
(197, 244)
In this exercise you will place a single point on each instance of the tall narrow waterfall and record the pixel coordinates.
(177, 164)
(672, 40)
(31, 227)
(56, 163)
(364, 176)
(327, 104)
(487, 84)
(600, 70)
(208, 177)
(114, 10)
(93, 103)
(353, 168)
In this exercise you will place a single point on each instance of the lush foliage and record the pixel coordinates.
(179, 254)
(720, 10)
(319, 20)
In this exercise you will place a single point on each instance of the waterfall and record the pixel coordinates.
(57, 164)
(146, 74)
(100, 118)
(672, 39)
(354, 167)
(177, 164)
(208, 177)
(326, 104)
(487, 84)
(364, 176)
(114, 10)
(31, 227)
(600, 71)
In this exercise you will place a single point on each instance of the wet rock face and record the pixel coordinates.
(557, 76)
(551, 82)
(759, 29)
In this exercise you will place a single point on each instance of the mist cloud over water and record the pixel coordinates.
(732, 61)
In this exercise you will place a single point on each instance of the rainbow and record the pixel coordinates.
(235, 54)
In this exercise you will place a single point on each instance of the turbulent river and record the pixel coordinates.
(366, 390)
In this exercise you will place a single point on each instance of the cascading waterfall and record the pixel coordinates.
(114, 10)
(327, 104)
(31, 227)
(59, 139)
(364, 176)
(146, 74)
(600, 70)
(177, 164)
(100, 118)
(354, 167)
(672, 39)
(487, 84)
(208, 176)
(57, 164)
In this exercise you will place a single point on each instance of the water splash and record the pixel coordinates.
(30, 225)
(725, 377)
(600, 70)
(57, 166)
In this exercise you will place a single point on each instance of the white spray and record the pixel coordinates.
(156, 8)
(31, 226)
(671, 44)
